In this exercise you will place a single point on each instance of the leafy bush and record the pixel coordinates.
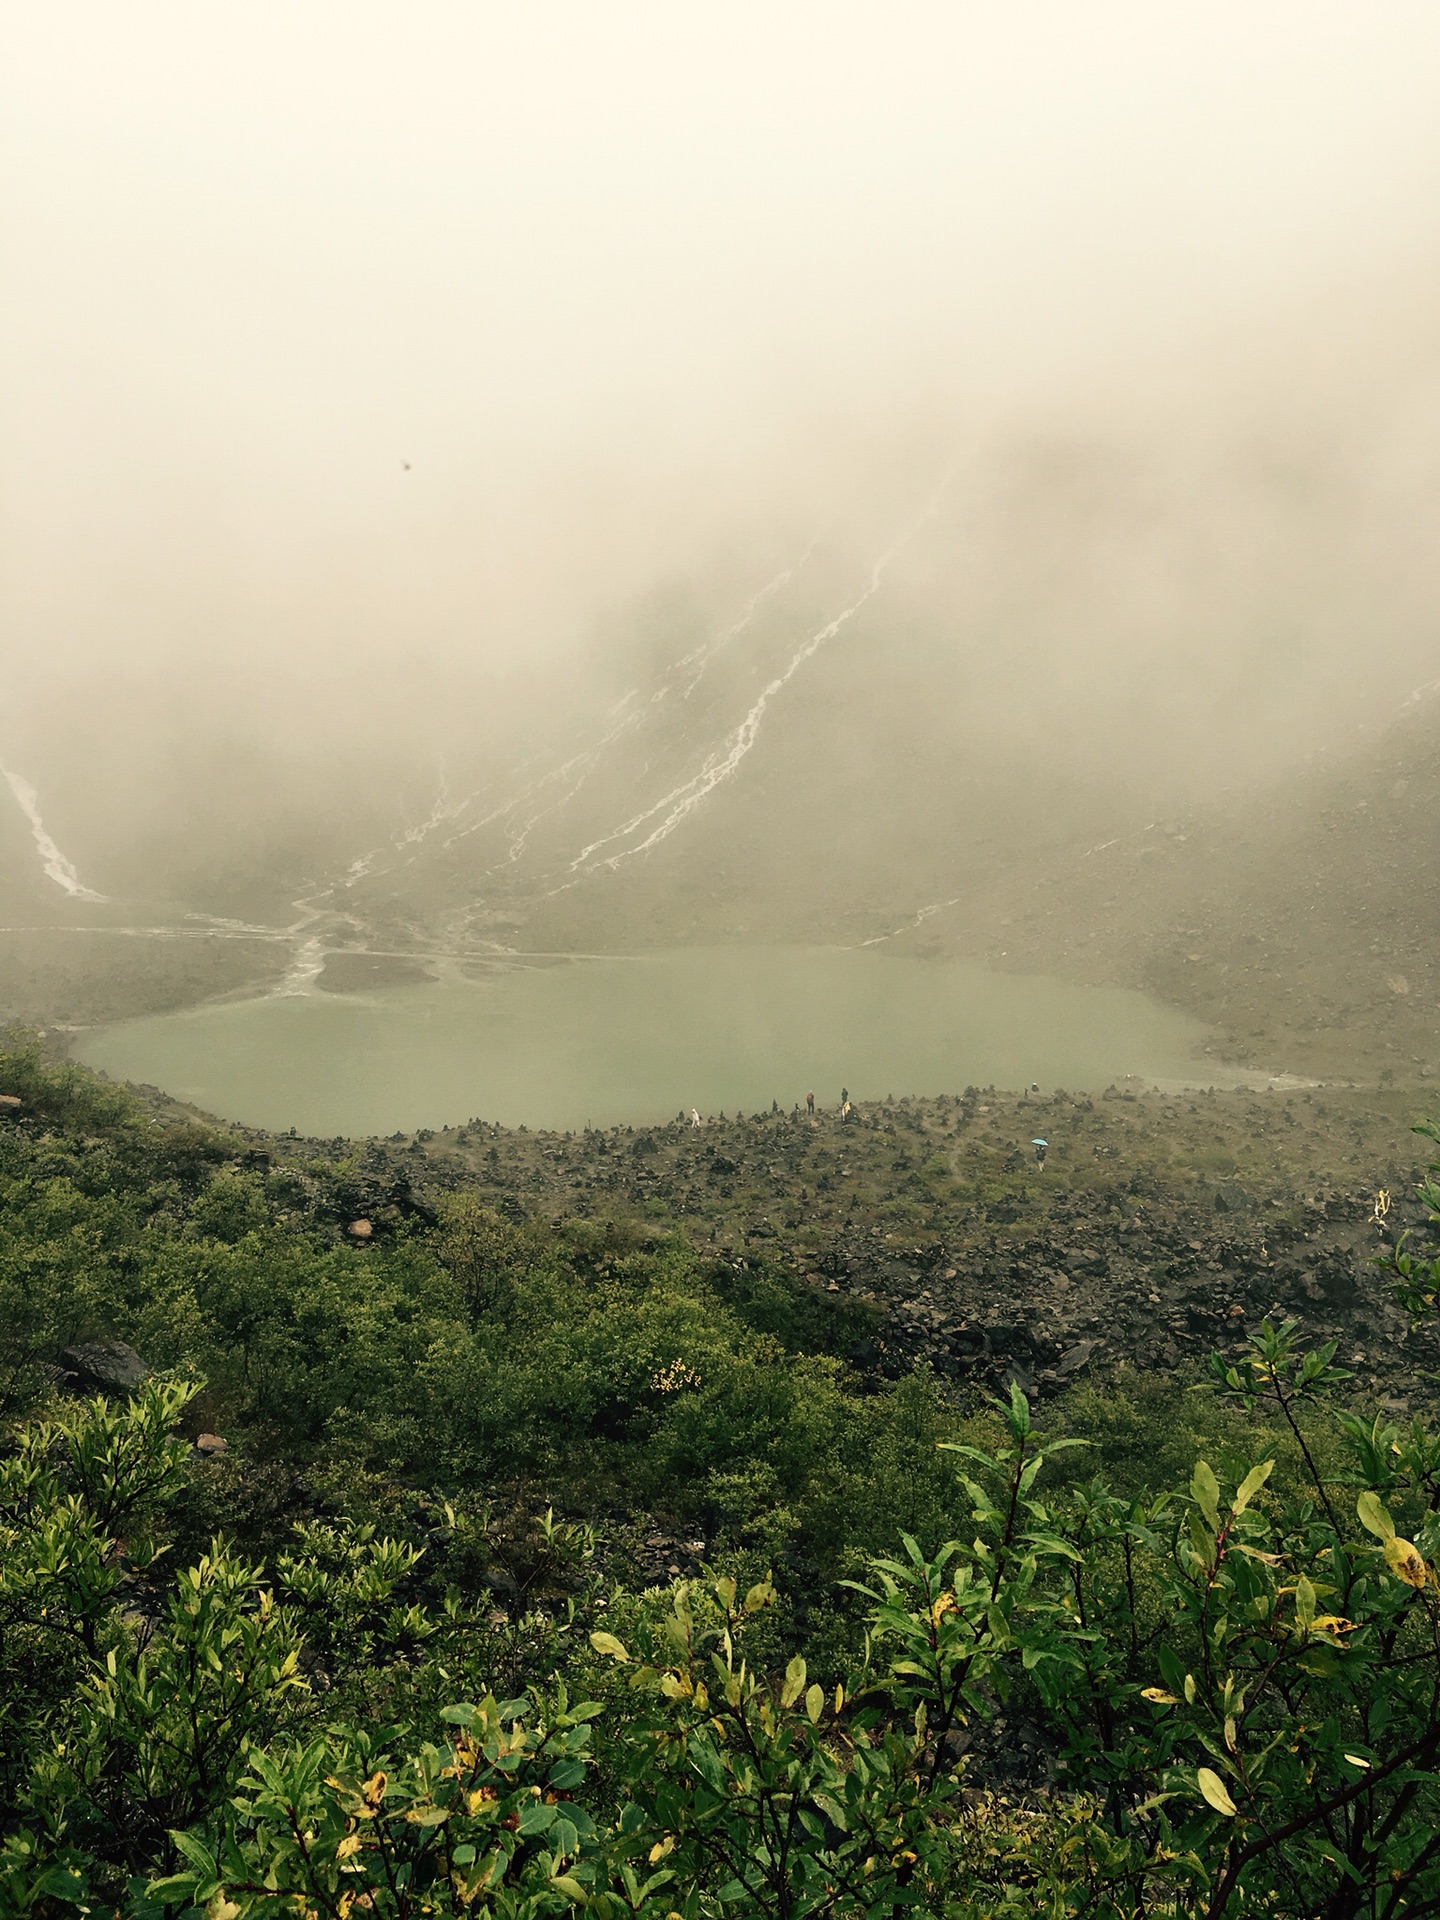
(1178, 1656)
(1233, 1690)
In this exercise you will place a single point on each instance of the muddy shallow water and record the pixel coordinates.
(638, 1038)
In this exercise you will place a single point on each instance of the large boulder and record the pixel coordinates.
(103, 1366)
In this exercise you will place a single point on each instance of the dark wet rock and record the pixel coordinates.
(968, 1347)
(105, 1366)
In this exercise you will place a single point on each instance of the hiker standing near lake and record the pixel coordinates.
(810, 1105)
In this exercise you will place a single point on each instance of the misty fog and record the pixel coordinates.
(389, 395)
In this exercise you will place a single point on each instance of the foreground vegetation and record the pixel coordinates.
(396, 1650)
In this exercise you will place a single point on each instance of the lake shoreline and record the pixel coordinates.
(634, 1039)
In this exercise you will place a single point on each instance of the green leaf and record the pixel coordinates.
(170, 1891)
(1251, 1485)
(814, 1704)
(59, 1883)
(571, 1888)
(794, 1682)
(195, 1851)
(1213, 1788)
(1304, 1601)
(832, 1809)
(1205, 1490)
(1019, 1411)
(1374, 1515)
(607, 1643)
(1319, 1662)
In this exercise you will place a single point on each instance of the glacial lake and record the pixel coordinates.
(638, 1038)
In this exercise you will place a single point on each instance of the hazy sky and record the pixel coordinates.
(625, 282)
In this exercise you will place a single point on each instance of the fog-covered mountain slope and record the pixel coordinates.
(1300, 918)
(892, 739)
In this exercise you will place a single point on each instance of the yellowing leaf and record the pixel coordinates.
(1159, 1696)
(1405, 1561)
(350, 1844)
(661, 1848)
(607, 1643)
(814, 1704)
(1357, 1760)
(1213, 1788)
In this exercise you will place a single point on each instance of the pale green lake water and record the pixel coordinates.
(637, 1038)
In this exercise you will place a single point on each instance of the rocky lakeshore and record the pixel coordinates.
(1161, 1226)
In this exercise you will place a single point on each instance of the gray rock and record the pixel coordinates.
(1076, 1358)
(109, 1365)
